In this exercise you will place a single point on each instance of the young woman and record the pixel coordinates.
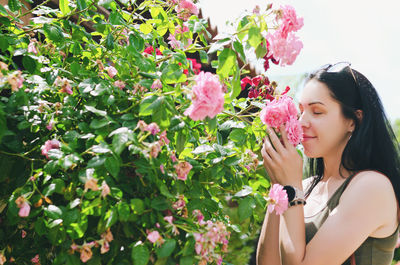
(347, 212)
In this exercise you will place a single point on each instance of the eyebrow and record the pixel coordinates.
(313, 103)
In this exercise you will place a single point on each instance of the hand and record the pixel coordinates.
(283, 163)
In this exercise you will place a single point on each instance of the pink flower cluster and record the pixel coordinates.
(32, 46)
(180, 39)
(15, 80)
(278, 199)
(214, 235)
(284, 46)
(64, 84)
(195, 65)
(86, 248)
(208, 97)
(185, 9)
(49, 145)
(23, 205)
(155, 237)
(283, 111)
(183, 169)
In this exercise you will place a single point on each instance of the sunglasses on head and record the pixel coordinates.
(337, 67)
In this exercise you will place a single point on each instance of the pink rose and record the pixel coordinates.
(278, 111)
(185, 9)
(162, 169)
(49, 145)
(120, 84)
(32, 47)
(294, 131)
(23, 234)
(15, 80)
(290, 21)
(86, 253)
(112, 71)
(35, 259)
(105, 189)
(156, 84)
(154, 237)
(169, 219)
(2, 259)
(208, 99)
(163, 138)
(105, 247)
(155, 149)
(278, 200)
(91, 183)
(24, 209)
(153, 128)
(183, 169)
(283, 48)
(50, 126)
(274, 114)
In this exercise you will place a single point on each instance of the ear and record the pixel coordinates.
(359, 115)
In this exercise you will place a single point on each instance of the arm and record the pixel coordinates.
(363, 210)
(268, 243)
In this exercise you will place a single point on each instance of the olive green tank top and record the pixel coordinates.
(373, 251)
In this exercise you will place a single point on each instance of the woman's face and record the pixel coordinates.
(326, 130)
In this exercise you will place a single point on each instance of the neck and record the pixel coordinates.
(333, 166)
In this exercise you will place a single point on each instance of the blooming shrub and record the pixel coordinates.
(116, 148)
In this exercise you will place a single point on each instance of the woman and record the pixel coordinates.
(349, 211)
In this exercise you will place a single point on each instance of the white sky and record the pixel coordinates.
(363, 32)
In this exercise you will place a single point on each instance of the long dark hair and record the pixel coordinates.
(373, 145)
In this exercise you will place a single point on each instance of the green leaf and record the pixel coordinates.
(166, 249)
(173, 74)
(246, 208)
(137, 206)
(140, 254)
(54, 33)
(120, 139)
(3, 11)
(3, 44)
(261, 50)
(115, 18)
(146, 28)
(159, 204)
(112, 165)
(95, 111)
(111, 217)
(29, 64)
(226, 62)
(14, 5)
(244, 192)
(180, 141)
(137, 42)
(238, 135)
(237, 45)
(147, 106)
(64, 7)
(255, 36)
(203, 57)
(53, 212)
(81, 4)
(110, 41)
(236, 84)
(186, 260)
(123, 211)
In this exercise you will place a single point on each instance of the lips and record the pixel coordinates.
(308, 137)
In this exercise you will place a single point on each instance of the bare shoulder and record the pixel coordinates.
(372, 189)
(371, 180)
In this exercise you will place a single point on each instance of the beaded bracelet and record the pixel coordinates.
(297, 202)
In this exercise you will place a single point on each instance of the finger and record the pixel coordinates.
(270, 149)
(284, 136)
(275, 141)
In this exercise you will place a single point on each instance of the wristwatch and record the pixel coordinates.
(294, 194)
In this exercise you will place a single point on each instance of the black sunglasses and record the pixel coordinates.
(337, 67)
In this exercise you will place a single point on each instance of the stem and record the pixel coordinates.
(19, 155)
(33, 9)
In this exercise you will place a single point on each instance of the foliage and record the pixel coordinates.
(95, 148)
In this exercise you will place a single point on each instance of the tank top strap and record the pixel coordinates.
(334, 200)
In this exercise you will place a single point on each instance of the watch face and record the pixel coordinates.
(290, 192)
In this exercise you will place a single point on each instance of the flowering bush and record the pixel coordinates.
(116, 148)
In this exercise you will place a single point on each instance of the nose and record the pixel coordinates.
(304, 121)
